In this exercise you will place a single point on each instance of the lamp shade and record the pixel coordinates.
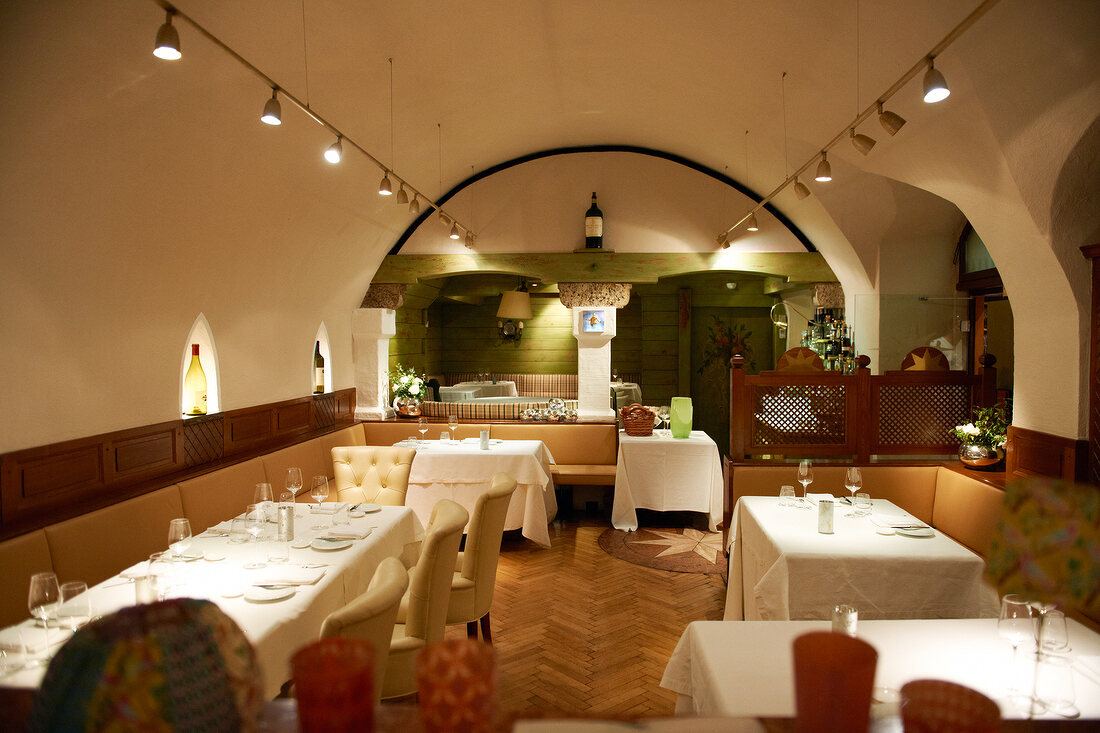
(272, 111)
(751, 224)
(863, 143)
(167, 45)
(515, 304)
(824, 170)
(935, 86)
(890, 121)
(801, 190)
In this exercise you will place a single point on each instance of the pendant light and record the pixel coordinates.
(935, 86)
(824, 170)
(402, 195)
(414, 205)
(751, 224)
(801, 190)
(860, 142)
(334, 151)
(455, 234)
(469, 240)
(167, 45)
(724, 240)
(890, 121)
(385, 188)
(273, 113)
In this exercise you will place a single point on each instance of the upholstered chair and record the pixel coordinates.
(372, 473)
(371, 615)
(423, 615)
(476, 569)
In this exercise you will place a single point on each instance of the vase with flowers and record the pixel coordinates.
(982, 442)
(408, 390)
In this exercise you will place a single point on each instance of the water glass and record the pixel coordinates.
(863, 504)
(1054, 687)
(265, 499)
(278, 551)
(76, 605)
(43, 599)
(786, 496)
(238, 530)
(1053, 631)
(444, 436)
(845, 619)
(160, 575)
(179, 537)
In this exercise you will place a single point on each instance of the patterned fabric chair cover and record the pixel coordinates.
(180, 664)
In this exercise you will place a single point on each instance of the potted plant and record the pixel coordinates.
(408, 390)
(982, 442)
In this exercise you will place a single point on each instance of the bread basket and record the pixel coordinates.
(637, 420)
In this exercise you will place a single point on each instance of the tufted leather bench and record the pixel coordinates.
(369, 473)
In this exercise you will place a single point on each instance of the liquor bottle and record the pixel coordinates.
(194, 385)
(593, 226)
(318, 369)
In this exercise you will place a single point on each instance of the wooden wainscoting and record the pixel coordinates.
(1031, 453)
(48, 483)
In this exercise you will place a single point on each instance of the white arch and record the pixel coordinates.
(202, 335)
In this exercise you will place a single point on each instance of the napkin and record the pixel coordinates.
(894, 520)
(329, 507)
(475, 441)
(814, 498)
(33, 637)
(289, 575)
(346, 534)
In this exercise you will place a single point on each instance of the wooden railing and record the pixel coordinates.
(857, 415)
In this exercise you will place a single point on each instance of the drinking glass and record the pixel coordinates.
(1016, 624)
(786, 496)
(421, 427)
(160, 575)
(43, 599)
(179, 537)
(452, 423)
(863, 504)
(319, 492)
(1054, 636)
(254, 521)
(294, 479)
(853, 481)
(1054, 686)
(238, 530)
(76, 605)
(805, 475)
(665, 412)
(264, 499)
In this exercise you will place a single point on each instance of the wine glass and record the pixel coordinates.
(1016, 623)
(76, 605)
(43, 599)
(264, 499)
(179, 537)
(805, 476)
(421, 427)
(294, 480)
(853, 481)
(254, 522)
(452, 424)
(319, 492)
(664, 412)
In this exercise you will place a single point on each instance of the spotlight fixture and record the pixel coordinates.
(469, 240)
(273, 113)
(824, 170)
(414, 205)
(751, 224)
(385, 188)
(167, 45)
(454, 232)
(724, 241)
(332, 155)
(935, 86)
(862, 143)
(801, 190)
(890, 121)
(402, 195)
(443, 218)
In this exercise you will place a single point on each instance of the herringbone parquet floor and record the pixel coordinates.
(578, 631)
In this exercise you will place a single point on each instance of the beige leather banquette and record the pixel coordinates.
(377, 474)
(962, 507)
(584, 453)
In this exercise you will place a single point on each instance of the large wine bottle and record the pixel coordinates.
(318, 369)
(194, 385)
(593, 226)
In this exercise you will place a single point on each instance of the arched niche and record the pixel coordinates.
(201, 334)
(321, 338)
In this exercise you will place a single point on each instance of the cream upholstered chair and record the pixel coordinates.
(476, 569)
(423, 614)
(372, 473)
(371, 615)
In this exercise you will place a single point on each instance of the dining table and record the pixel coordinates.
(478, 389)
(663, 473)
(887, 564)
(745, 668)
(279, 606)
(461, 470)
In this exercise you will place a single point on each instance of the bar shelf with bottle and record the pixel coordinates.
(830, 337)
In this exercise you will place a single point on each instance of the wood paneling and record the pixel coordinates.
(1031, 453)
(1092, 252)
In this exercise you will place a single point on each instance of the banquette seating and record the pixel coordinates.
(372, 473)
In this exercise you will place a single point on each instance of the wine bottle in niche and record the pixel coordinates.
(593, 226)
(318, 369)
(194, 386)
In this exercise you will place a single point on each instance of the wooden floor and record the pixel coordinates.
(578, 631)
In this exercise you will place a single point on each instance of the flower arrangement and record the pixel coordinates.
(988, 429)
(406, 383)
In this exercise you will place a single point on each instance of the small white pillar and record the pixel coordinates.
(371, 331)
(594, 327)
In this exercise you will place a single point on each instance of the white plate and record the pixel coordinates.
(232, 593)
(266, 595)
(213, 556)
(323, 544)
(919, 532)
(370, 508)
(300, 543)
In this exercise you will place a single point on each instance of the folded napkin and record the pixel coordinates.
(32, 637)
(287, 575)
(328, 507)
(895, 520)
(814, 498)
(347, 533)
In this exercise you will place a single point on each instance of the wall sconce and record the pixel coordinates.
(514, 306)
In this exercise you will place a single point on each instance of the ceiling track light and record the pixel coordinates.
(862, 143)
(723, 240)
(334, 151)
(890, 121)
(935, 86)
(443, 218)
(455, 234)
(167, 45)
(824, 170)
(385, 188)
(751, 224)
(414, 205)
(273, 112)
(402, 195)
(801, 190)
(469, 240)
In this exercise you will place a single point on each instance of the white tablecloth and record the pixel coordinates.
(782, 568)
(745, 667)
(627, 393)
(461, 471)
(666, 474)
(276, 629)
(503, 388)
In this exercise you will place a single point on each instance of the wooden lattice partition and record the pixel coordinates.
(857, 415)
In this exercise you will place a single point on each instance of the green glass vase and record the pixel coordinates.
(681, 417)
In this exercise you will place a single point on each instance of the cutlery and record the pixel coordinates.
(275, 586)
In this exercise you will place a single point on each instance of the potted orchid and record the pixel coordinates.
(982, 441)
(408, 390)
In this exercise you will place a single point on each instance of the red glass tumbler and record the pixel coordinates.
(334, 683)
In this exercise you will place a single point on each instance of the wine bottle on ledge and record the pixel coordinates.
(593, 226)
(318, 369)
(194, 386)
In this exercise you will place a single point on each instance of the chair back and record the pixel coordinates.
(479, 559)
(180, 664)
(372, 473)
(372, 614)
(430, 590)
